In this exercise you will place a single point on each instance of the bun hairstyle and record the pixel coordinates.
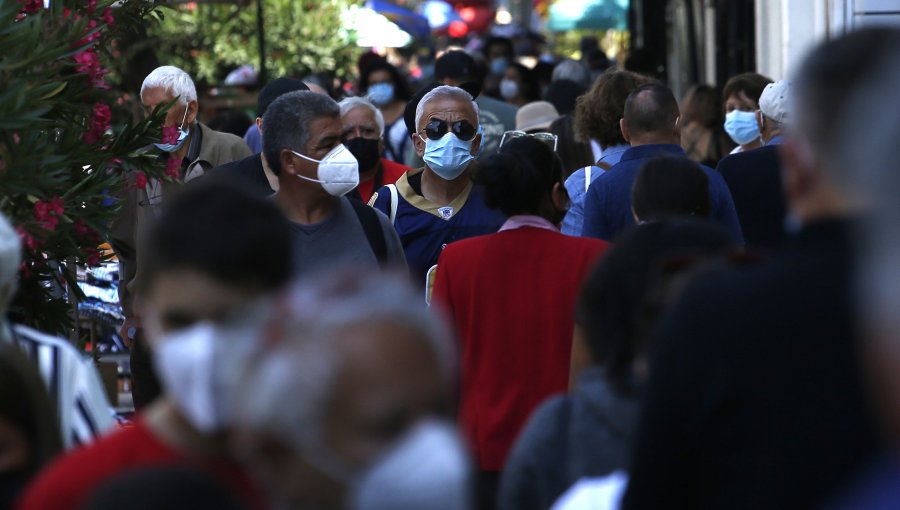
(518, 179)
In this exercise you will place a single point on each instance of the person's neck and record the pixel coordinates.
(440, 191)
(755, 144)
(169, 425)
(651, 139)
(303, 204)
(826, 201)
(769, 135)
(270, 175)
(369, 174)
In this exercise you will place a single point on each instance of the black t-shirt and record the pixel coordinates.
(247, 172)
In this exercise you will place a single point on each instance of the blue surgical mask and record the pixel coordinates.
(182, 136)
(448, 157)
(381, 93)
(499, 65)
(742, 126)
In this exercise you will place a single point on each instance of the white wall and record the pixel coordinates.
(787, 29)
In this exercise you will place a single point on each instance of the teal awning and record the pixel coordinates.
(588, 14)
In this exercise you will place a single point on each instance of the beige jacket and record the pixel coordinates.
(140, 207)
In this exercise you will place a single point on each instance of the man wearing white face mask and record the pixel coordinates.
(215, 250)
(315, 171)
(438, 204)
(367, 373)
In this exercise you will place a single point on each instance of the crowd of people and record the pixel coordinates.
(508, 288)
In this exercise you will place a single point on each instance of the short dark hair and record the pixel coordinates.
(751, 84)
(597, 113)
(518, 179)
(670, 186)
(611, 306)
(166, 486)
(223, 231)
(502, 41)
(274, 89)
(531, 89)
(287, 121)
(401, 86)
(651, 108)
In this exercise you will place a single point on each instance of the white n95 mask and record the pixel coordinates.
(338, 171)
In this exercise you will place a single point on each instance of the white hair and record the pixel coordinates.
(10, 258)
(351, 103)
(445, 91)
(572, 70)
(289, 390)
(174, 80)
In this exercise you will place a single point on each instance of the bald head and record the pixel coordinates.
(651, 116)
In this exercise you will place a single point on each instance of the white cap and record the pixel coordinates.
(774, 102)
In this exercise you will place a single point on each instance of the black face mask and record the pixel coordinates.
(365, 151)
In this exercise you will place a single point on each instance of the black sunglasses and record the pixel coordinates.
(437, 128)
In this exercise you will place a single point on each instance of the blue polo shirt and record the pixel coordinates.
(426, 228)
(607, 205)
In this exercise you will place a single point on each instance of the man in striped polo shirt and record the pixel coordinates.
(71, 378)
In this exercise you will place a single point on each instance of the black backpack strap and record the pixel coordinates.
(368, 218)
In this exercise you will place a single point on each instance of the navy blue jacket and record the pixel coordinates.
(607, 205)
(754, 179)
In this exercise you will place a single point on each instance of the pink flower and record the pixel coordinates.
(48, 213)
(169, 135)
(31, 6)
(91, 6)
(173, 168)
(57, 205)
(93, 258)
(140, 180)
(81, 227)
(89, 64)
(107, 16)
(28, 240)
(101, 116)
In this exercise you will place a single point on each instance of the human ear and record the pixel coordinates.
(624, 128)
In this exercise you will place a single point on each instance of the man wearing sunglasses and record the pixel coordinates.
(436, 205)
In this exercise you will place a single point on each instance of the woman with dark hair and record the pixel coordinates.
(573, 153)
(670, 187)
(588, 433)
(519, 85)
(381, 83)
(741, 96)
(511, 296)
(702, 134)
(29, 437)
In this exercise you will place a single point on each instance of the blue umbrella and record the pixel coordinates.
(410, 22)
(439, 13)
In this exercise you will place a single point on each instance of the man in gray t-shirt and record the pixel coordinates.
(302, 144)
(341, 241)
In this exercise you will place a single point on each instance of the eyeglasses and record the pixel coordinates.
(437, 128)
(549, 138)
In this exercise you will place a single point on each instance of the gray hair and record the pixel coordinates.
(287, 122)
(174, 80)
(445, 91)
(351, 103)
(304, 364)
(10, 257)
(572, 70)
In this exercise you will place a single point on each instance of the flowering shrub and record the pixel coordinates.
(67, 151)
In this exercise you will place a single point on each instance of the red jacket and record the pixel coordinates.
(391, 171)
(511, 296)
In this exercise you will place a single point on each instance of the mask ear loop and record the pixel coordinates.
(184, 119)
